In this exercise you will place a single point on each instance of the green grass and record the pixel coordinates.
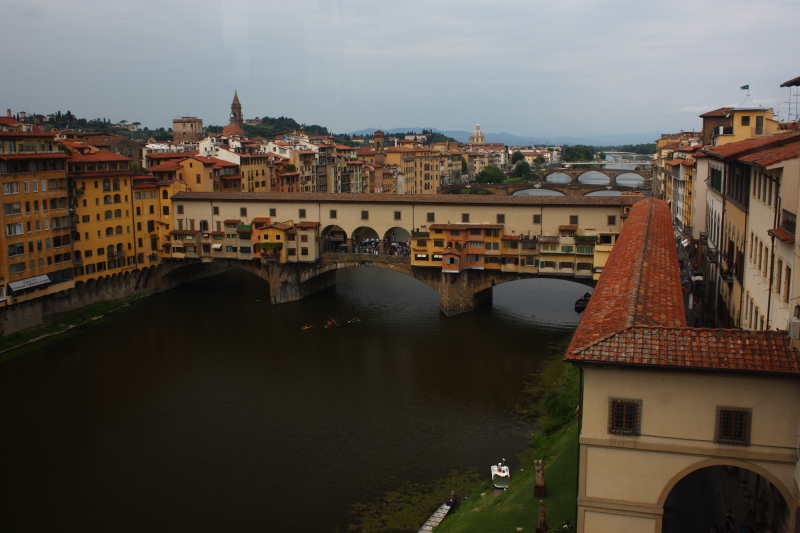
(59, 324)
(517, 506)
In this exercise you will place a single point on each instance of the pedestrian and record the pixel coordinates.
(729, 520)
(744, 528)
(715, 529)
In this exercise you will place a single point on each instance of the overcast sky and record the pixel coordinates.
(550, 68)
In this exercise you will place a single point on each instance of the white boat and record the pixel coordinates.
(501, 475)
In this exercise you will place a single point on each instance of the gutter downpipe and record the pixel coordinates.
(772, 253)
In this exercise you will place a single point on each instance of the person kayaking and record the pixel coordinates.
(353, 320)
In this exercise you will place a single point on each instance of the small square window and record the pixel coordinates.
(273, 212)
(733, 425)
(501, 219)
(242, 211)
(431, 217)
(397, 215)
(178, 207)
(465, 218)
(573, 219)
(301, 213)
(537, 219)
(215, 210)
(364, 215)
(612, 220)
(624, 416)
(333, 213)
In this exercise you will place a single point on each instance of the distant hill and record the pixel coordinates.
(515, 140)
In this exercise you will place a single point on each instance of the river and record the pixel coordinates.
(205, 408)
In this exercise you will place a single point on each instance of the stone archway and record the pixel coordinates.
(365, 241)
(396, 241)
(333, 239)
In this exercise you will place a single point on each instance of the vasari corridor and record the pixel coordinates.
(399, 267)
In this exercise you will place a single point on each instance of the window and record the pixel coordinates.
(303, 251)
(333, 213)
(567, 249)
(624, 416)
(585, 266)
(17, 268)
(11, 187)
(397, 215)
(291, 251)
(151, 226)
(537, 219)
(431, 217)
(612, 220)
(566, 264)
(13, 208)
(16, 249)
(465, 218)
(14, 229)
(301, 213)
(304, 238)
(501, 219)
(437, 243)
(273, 212)
(452, 261)
(421, 257)
(606, 239)
(178, 209)
(364, 215)
(573, 219)
(746, 120)
(214, 210)
(733, 425)
(510, 245)
(242, 211)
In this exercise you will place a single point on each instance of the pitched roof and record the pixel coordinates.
(306, 224)
(773, 155)
(466, 226)
(749, 145)
(721, 112)
(568, 227)
(165, 167)
(636, 315)
(461, 199)
(96, 157)
(794, 82)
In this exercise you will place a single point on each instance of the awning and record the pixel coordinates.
(28, 283)
(216, 247)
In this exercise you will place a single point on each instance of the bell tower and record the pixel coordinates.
(236, 111)
(380, 144)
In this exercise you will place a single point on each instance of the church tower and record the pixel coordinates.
(380, 144)
(237, 120)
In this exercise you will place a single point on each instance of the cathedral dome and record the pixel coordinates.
(232, 129)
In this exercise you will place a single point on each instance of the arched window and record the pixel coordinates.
(110, 250)
(117, 199)
(118, 213)
(119, 230)
(115, 184)
(109, 232)
(164, 194)
(107, 214)
(107, 199)
(106, 185)
(120, 248)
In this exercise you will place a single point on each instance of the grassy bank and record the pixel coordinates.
(60, 324)
(549, 401)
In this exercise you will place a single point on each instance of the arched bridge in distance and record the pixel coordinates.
(572, 188)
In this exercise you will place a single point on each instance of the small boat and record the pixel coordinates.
(581, 303)
(307, 327)
(332, 322)
(354, 321)
(501, 475)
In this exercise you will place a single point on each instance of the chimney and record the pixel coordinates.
(8, 112)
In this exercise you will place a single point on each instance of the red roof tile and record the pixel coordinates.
(781, 235)
(261, 219)
(232, 221)
(773, 155)
(306, 224)
(721, 112)
(794, 82)
(100, 156)
(750, 145)
(165, 167)
(229, 177)
(568, 227)
(466, 226)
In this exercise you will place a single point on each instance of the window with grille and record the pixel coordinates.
(465, 218)
(537, 219)
(733, 425)
(573, 219)
(624, 416)
(501, 219)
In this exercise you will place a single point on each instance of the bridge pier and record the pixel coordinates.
(458, 294)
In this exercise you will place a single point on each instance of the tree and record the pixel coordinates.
(579, 152)
(490, 174)
(539, 160)
(522, 169)
(601, 155)
(463, 164)
(517, 156)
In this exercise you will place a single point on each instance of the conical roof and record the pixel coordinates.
(235, 97)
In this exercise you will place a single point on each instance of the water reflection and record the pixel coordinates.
(210, 399)
(594, 178)
(538, 192)
(629, 179)
(559, 177)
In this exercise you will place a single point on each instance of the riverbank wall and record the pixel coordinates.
(36, 312)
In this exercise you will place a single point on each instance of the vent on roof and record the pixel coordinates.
(794, 328)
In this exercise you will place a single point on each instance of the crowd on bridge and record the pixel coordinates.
(371, 247)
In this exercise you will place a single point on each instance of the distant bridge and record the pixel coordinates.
(571, 188)
(648, 162)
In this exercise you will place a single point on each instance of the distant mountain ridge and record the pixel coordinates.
(515, 140)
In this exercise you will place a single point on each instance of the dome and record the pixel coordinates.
(477, 132)
(232, 129)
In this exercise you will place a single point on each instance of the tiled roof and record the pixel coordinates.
(781, 235)
(256, 220)
(636, 317)
(773, 155)
(104, 140)
(511, 238)
(713, 349)
(306, 224)
(37, 134)
(721, 112)
(165, 167)
(231, 221)
(280, 225)
(9, 120)
(100, 156)
(460, 199)
(749, 145)
(231, 177)
(568, 227)
(794, 82)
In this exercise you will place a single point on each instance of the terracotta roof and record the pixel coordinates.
(260, 219)
(281, 226)
(232, 221)
(217, 233)
(773, 155)
(460, 199)
(466, 226)
(173, 155)
(103, 140)
(37, 133)
(636, 314)
(511, 238)
(568, 227)
(721, 112)
(165, 167)
(750, 145)
(306, 224)
(9, 120)
(794, 82)
(231, 177)
(781, 235)
(100, 156)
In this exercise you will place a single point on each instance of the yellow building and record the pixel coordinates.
(105, 232)
(37, 258)
(153, 216)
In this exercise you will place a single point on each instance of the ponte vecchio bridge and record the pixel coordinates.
(321, 233)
